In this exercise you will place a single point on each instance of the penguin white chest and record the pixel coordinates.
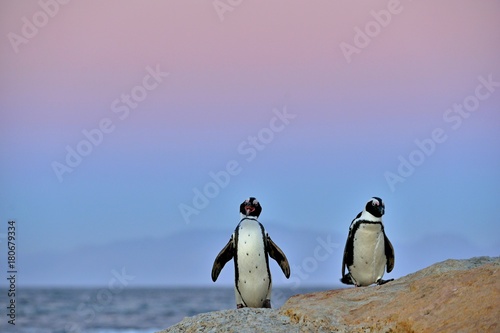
(368, 254)
(253, 279)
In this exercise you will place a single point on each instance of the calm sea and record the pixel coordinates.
(131, 310)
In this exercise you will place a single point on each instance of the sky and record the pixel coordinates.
(125, 121)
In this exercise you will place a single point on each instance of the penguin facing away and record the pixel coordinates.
(367, 251)
(249, 247)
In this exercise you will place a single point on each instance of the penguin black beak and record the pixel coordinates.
(381, 209)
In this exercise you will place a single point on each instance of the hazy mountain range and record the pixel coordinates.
(186, 258)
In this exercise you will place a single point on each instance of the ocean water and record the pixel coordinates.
(130, 310)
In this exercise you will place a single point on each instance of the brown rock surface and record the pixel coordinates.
(452, 296)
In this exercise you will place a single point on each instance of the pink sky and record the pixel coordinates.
(353, 118)
(92, 51)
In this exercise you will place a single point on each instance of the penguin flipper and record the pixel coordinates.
(222, 258)
(348, 258)
(389, 254)
(278, 255)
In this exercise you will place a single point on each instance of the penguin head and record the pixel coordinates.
(251, 207)
(375, 206)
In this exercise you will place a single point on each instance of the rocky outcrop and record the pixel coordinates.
(245, 320)
(451, 296)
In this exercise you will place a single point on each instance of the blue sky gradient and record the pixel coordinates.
(156, 97)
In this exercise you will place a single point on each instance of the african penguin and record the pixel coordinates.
(250, 246)
(368, 250)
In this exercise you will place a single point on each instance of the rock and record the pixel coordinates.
(246, 320)
(451, 296)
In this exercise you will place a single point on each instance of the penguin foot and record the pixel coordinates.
(239, 306)
(381, 282)
(267, 304)
(346, 279)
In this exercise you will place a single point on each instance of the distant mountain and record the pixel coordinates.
(186, 258)
(434, 248)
